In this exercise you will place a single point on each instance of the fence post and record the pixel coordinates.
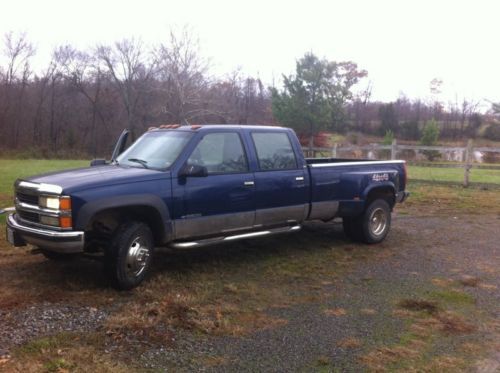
(394, 148)
(468, 162)
(334, 151)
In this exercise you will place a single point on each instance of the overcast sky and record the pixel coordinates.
(402, 44)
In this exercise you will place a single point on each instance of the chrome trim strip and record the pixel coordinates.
(31, 223)
(41, 188)
(7, 209)
(185, 245)
(361, 163)
(41, 210)
(41, 233)
(211, 241)
(246, 235)
(44, 232)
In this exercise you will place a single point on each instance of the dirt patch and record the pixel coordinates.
(430, 307)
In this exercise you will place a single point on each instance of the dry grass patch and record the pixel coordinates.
(65, 353)
(349, 342)
(452, 323)
(445, 363)
(381, 358)
(442, 282)
(214, 361)
(487, 286)
(335, 312)
(469, 281)
(185, 312)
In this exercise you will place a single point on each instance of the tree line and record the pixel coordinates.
(80, 101)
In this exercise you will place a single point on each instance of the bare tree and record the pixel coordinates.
(84, 72)
(15, 79)
(131, 69)
(184, 78)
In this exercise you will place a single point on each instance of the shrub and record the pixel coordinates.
(493, 132)
(430, 135)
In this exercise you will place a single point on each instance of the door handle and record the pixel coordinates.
(299, 178)
(248, 183)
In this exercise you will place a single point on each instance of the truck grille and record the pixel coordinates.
(30, 216)
(29, 197)
(32, 199)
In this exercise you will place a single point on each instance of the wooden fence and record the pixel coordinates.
(467, 162)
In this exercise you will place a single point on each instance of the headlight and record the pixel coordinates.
(49, 202)
(55, 203)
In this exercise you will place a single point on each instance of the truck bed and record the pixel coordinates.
(340, 186)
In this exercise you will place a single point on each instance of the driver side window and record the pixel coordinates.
(220, 153)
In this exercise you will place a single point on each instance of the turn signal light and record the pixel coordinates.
(65, 222)
(65, 203)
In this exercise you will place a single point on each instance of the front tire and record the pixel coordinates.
(128, 260)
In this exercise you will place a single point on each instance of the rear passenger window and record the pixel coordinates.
(274, 151)
(220, 153)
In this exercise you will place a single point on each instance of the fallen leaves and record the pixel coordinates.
(335, 312)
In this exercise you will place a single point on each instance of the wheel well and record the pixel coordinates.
(105, 222)
(386, 193)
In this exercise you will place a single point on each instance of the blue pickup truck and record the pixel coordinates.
(190, 186)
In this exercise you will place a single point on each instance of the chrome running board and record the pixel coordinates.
(216, 240)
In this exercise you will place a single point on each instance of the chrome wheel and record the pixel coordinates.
(137, 257)
(378, 221)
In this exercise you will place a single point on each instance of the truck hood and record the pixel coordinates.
(93, 177)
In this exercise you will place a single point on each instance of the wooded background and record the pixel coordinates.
(80, 101)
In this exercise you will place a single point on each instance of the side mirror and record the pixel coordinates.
(97, 162)
(193, 170)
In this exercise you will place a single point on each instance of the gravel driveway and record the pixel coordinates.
(421, 256)
(419, 253)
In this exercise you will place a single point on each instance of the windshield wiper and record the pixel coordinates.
(142, 162)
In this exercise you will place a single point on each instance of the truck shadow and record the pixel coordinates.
(313, 236)
(53, 281)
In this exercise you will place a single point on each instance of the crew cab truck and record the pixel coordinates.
(189, 186)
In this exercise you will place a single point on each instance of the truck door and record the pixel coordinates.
(222, 201)
(281, 183)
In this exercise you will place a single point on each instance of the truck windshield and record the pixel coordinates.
(156, 150)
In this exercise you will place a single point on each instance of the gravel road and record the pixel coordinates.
(420, 252)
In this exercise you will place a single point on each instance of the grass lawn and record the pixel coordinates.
(453, 174)
(11, 169)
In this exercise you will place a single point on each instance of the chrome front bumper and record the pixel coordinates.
(61, 242)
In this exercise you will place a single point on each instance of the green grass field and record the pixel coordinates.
(11, 169)
(453, 174)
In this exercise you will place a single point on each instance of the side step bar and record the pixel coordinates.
(216, 240)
